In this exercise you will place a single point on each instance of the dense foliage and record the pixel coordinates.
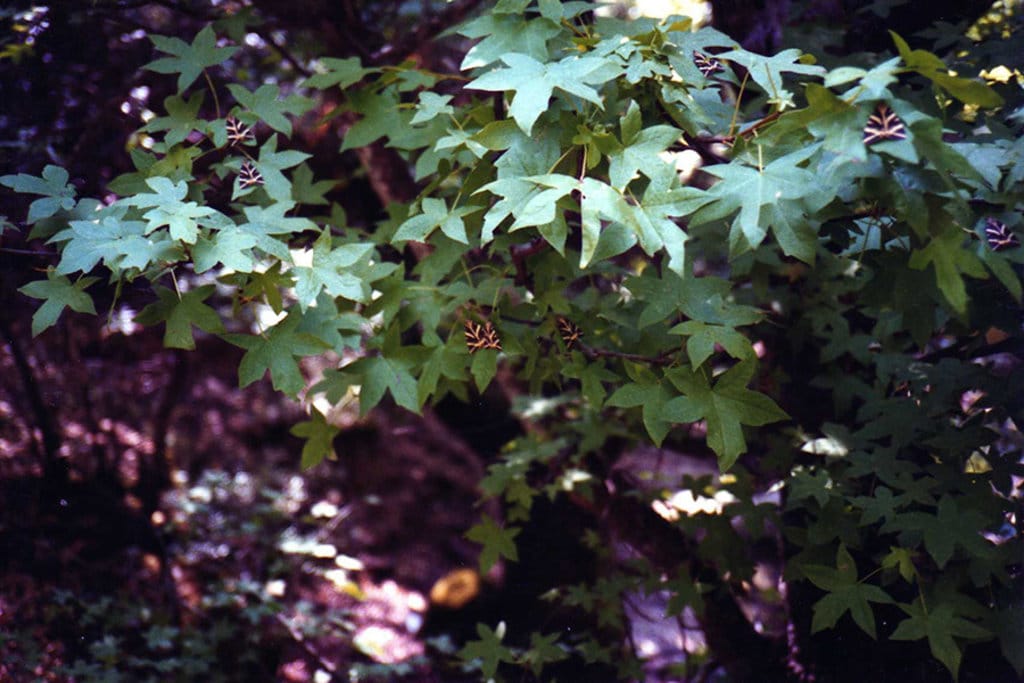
(829, 307)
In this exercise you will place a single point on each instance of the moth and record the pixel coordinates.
(706, 65)
(238, 132)
(884, 125)
(999, 236)
(569, 331)
(481, 336)
(249, 176)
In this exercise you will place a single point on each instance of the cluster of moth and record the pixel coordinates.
(483, 335)
(240, 134)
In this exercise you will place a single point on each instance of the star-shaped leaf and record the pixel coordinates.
(305, 191)
(939, 624)
(949, 527)
(115, 241)
(56, 193)
(727, 406)
(534, 83)
(503, 34)
(496, 541)
(488, 650)
(276, 351)
(767, 71)
(950, 261)
(435, 215)
(337, 72)
(385, 374)
(271, 163)
(319, 437)
(181, 218)
(180, 314)
(845, 594)
(58, 293)
(760, 196)
(432, 105)
(188, 61)
(334, 270)
(263, 223)
(640, 149)
(653, 396)
(230, 246)
(182, 118)
(702, 339)
(264, 104)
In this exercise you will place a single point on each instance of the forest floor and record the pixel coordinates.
(186, 541)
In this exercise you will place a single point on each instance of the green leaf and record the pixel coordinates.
(488, 650)
(56, 193)
(117, 242)
(504, 33)
(775, 196)
(685, 593)
(640, 149)
(949, 527)
(881, 505)
(337, 271)
(229, 246)
(543, 650)
(534, 83)
(382, 374)
(58, 293)
(874, 83)
(381, 117)
(181, 218)
(265, 106)
(182, 118)
(945, 253)
(846, 594)
(931, 67)
(903, 559)
(267, 286)
(263, 223)
(496, 541)
(276, 351)
(432, 105)
(337, 72)
(435, 214)
(767, 71)
(726, 406)
(484, 367)
(271, 165)
(180, 314)
(653, 396)
(650, 220)
(939, 624)
(305, 191)
(189, 60)
(703, 338)
(531, 201)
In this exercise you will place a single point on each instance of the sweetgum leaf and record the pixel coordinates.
(58, 293)
(189, 60)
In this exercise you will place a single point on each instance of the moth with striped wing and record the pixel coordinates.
(883, 124)
(569, 331)
(707, 65)
(249, 176)
(238, 132)
(999, 236)
(481, 336)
